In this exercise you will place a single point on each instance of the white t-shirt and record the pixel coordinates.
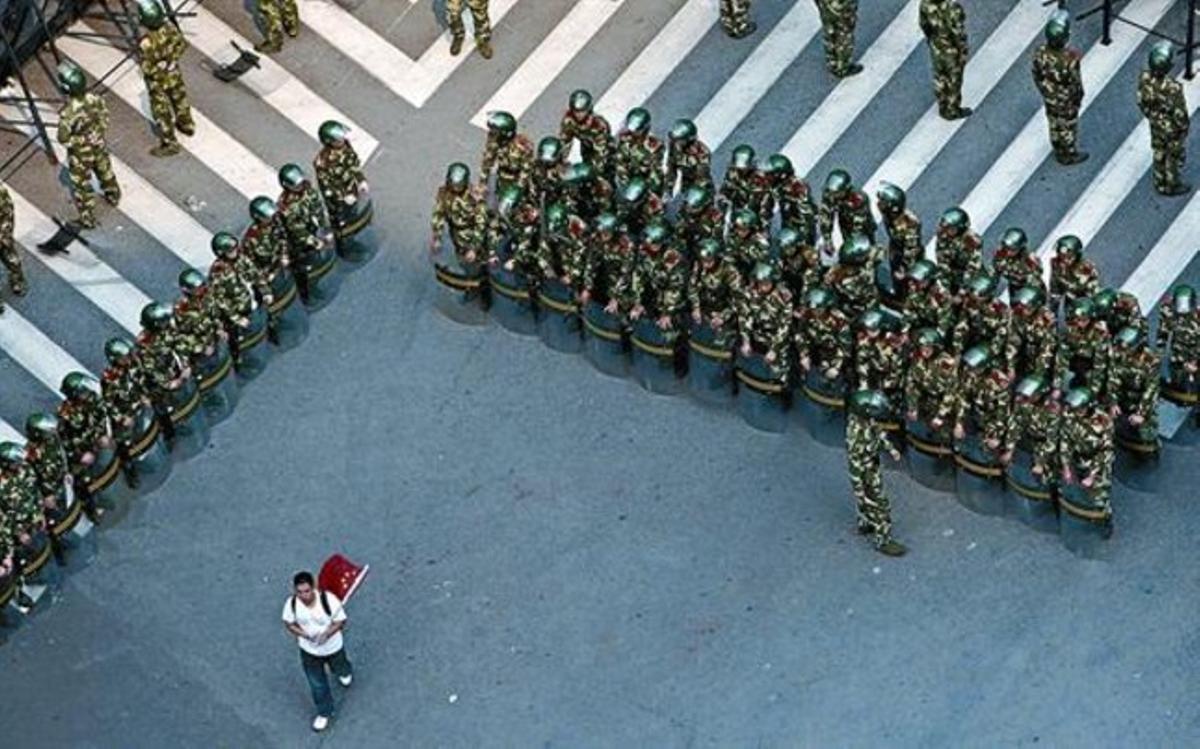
(313, 621)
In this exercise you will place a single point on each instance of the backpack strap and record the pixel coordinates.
(325, 605)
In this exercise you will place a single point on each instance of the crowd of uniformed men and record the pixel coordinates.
(815, 284)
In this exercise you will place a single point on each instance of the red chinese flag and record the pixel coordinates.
(341, 577)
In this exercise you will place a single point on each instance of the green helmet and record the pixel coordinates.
(638, 121)
(41, 427)
(1078, 398)
(891, 198)
(710, 248)
(78, 385)
(745, 219)
(1162, 58)
(765, 272)
(1104, 301)
(151, 14)
(956, 219)
(1069, 243)
(458, 176)
(1032, 388)
(510, 197)
(117, 349)
(780, 167)
(156, 316)
(1058, 29)
(1183, 299)
(787, 239)
(977, 357)
(502, 124)
(838, 182)
(580, 102)
(1128, 337)
(549, 150)
(556, 218)
(683, 131)
(870, 403)
(1082, 308)
(855, 250)
(262, 209)
(634, 192)
(928, 338)
(697, 198)
(332, 133)
(580, 175)
(607, 223)
(191, 281)
(1029, 297)
(657, 232)
(742, 157)
(224, 244)
(819, 298)
(71, 79)
(983, 285)
(922, 271)
(1015, 240)
(871, 320)
(291, 177)
(11, 454)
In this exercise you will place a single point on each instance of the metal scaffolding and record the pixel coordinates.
(1109, 15)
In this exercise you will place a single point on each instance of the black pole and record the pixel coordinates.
(1190, 55)
(1108, 16)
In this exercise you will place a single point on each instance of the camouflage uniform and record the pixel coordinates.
(927, 304)
(1133, 383)
(82, 128)
(688, 159)
(1179, 335)
(1162, 102)
(984, 401)
(658, 283)
(747, 243)
(797, 211)
(880, 358)
(905, 243)
(608, 268)
(340, 178)
(511, 159)
(713, 292)
(548, 171)
(520, 226)
(465, 215)
(1033, 426)
(959, 251)
(699, 218)
(124, 384)
(161, 50)
(587, 193)
(640, 153)
(944, 23)
(277, 16)
(746, 187)
(824, 339)
(765, 323)
(1083, 354)
(735, 18)
(1072, 276)
(1086, 452)
(594, 134)
(865, 439)
(799, 261)
(83, 426)
(235, 286)
(838, 18)
(1120, 310)
(853, 281)
(8, 248)
(1014, 263)
(982, 318)
(1057, 74)
(563, 254)
(304, 219)
(1032, 336)
(483, 25)
(47, 460)
(851, 210)
(198, 324)
(164, 365)
(266, 243)
(21, 501)
(931, 390)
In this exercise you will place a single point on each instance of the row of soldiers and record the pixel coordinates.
(178, 345)
(640, 228)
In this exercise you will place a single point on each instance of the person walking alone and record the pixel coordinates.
(316, 619)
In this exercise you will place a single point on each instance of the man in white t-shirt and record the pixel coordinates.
(316, 619)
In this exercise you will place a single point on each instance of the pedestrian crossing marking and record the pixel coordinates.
(284, 92)
(851, 96)
(674, 42)
(1169, 256)
(9, 434)
(437, 64)
(551, 57)
(985, 69)
(35, 352)
(757, 74)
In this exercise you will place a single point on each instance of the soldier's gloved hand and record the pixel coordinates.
(664, 322)
(268, 299)
(1137, 420)
(1088, 481)
(745, 349)
(805, 363)
(959, 431)
(636, 312)
(832, 373)
(509, 265)
(349, 199)
(937, 422)
(1006, 457)
(244, 322)
(126, 421)
(1190, 367)
(992, 443)
(895, 454)
(770, 357)
(697, 317)
(209, 349)
(49, 502)
(470, 256)
(363, 187)
(717, 322)
(611, 307)
(585, 296)
(1037, 469)
(1068, 475)
(24, 537)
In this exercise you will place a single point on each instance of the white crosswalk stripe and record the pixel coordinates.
(551, 57)
(35, 352)
(851, 96)
(8, 433)
(436, 64)
(647, 72)
(1173, 251)
(725, 111)
(985, 69)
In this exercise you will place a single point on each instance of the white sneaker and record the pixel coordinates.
(345, 680)
(320, 723)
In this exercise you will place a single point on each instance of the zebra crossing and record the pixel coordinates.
(828, 125)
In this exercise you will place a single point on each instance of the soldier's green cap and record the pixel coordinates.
(955, 218)
(502, 123)
(191, 280)
(1183, 298)
(855, 250)
(780, 166)
(1058, 29)
(1078, 398)
(458, 176)
(697, 198)
(78, 385)
(765, 272)
(634, 191)
(1032, 387)
(556, 217)
(332, 132)
(1082, 308)
(1016, 240)
(71, 80)
(581, 101)
(607, 222)
(787, 238)
(891, 197)
(928, 338)
(745, 219)
(262, 208)
(819, 298)
(40, 426)
(1162, 58)
(657, 232)
(838, 182)
(871, 320)
(977, 357)
(291, 177)
(116, 349)
(710, 248)
(638, 120)
(156, 316)
(1128, 337)
(1068, 243)
(684, 130)
(549, 150)
(922, 271)
(1104, 300)
(580, 175)
(510, 197)
(742, 157)
(983, 285)
(1028, 296)
(11, 454)
(870, 403)
(224, 244)
(151, 14)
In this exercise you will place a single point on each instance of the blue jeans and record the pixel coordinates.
(314, 670)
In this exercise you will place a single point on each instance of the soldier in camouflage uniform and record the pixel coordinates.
(735, 18)
(506, 152)
(637, 206)
(905, 244)
(1056, 72)
(548, 170)
(797, 211)
(199, 326)
(927, 304)
(640, 153)
(1016, 264)
(658, 283)
(608, 267)
(462, 210)
(714, 288)
(1119, 310)
(1033, 334)
(688, 159)
(865, 439)
(931, 384)
(593, 132)
(83, 129)
(278, 16)
(1179, 336)
(699, 218)
(747, 244)
(20, 498)
(339, 173)
(159, 346)
(746, 187)
(1162, 102)
(302, 214)
(764, 315)
(1133, 383)
(587, 193)
(564, 247)
(159, 53)
(1072, 276)
(1033, 425)
(846, 206)
(799, 262)
(982, 318)
(46, 458)
(84, 428)
(880, 355)
(823, 336)
(235, 283)
(959, 250)
(1084, 350)
(8, 248)
(458, 32)
(124, 384)
(838, 18)
(853, 278)
(265, 241)
(1085, 446)
(944, 23)
(518, 221)
(984, 401)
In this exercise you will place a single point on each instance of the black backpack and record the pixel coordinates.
(324, 605)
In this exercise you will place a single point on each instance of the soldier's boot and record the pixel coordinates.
(749, 28)
(891, 547)
(852, 69)
(17, 283)
(269, 47)
(165, 148)
(291, 29)
(1070, 158)
(485, 48)
(456, 45)
(112, 195)
(185, 124)
(956, 114)
(86, 217)
(1175, 189)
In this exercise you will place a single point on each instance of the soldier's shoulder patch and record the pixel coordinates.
(577, 227)
(856, 199)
